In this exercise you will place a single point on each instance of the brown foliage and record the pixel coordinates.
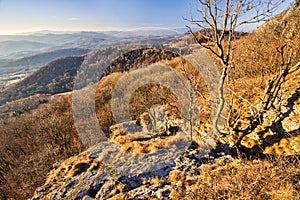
(32, 143)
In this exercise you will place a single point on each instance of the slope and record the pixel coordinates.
(55, 77)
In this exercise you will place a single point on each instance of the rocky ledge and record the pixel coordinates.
(86, 176)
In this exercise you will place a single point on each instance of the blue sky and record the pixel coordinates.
(74, 15)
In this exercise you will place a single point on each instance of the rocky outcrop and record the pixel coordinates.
(279, 130)
(138, 162)
(86, 176)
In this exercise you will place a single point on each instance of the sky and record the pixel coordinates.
(17, 16)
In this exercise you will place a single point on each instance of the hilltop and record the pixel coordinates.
(32, 62)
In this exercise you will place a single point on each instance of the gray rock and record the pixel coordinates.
(106, 189)
(128, 127)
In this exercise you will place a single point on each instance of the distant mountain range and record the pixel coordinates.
(22, 45)
(22, 54)
(27, 45)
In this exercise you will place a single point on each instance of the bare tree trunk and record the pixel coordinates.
(221, 103)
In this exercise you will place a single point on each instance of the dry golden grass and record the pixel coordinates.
(277, 178)
(131, 143)
(286, 146)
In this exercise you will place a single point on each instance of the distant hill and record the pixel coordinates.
(55, 77)
(129, 59)
(58, 76)
(10, 66)
(137, 58)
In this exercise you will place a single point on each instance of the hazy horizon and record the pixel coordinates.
(99, 30)
(17, 17)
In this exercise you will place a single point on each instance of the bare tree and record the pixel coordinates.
(219, 21)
